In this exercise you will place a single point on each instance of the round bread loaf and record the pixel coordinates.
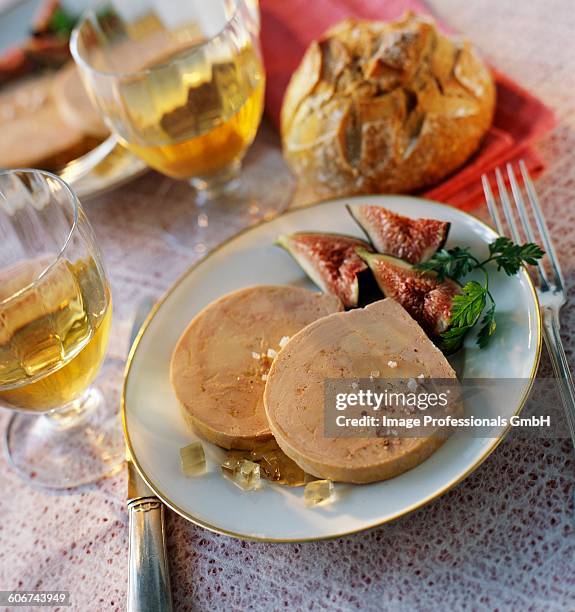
(220, 364)
(380, 338)
(380, 107)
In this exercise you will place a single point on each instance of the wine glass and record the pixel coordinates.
(55, 315)
(181, 85)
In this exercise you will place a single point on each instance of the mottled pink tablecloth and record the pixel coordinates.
(504, 538)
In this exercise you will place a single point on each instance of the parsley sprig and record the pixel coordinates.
(476, 299)
(62, 22)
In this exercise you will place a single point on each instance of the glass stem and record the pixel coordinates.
(210, 187)
(74, 413)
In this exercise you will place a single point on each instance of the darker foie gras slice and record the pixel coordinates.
(381, 341)
(220, 364)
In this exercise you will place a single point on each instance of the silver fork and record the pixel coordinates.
(551, 288)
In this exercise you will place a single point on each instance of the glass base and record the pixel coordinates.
(75, 445)
(221, 185)
(205, 213)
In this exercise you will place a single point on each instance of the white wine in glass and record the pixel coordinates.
(181, 85)
(55, 315)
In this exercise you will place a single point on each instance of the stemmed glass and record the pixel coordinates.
(181, 85)
(55, 314)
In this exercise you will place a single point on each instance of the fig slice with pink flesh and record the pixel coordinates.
(427, 299)
(414, 240)
(331, 262)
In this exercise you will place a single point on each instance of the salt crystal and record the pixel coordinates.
(284, 340)
(421, 376)
(255, 355)
(392, 364)
(317, 492)
(271, 353)
(264, 377)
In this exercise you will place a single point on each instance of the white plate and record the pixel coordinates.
(116, 168)
(155, 430)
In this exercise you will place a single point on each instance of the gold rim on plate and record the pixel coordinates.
(253, 538)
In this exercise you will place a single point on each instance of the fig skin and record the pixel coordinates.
(414, 240)
(425, 298)
(332, 263)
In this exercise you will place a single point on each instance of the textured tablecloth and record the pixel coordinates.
(504, 538)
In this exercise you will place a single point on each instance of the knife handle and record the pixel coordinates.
(148, 575)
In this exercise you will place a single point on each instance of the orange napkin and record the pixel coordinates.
(288, 26)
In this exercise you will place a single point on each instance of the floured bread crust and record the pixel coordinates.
(378, 107)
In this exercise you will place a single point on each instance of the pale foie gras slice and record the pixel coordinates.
(380, 340)
(220, 363)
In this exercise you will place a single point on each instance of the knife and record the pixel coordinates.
(148, 573)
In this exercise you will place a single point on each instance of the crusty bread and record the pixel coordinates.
(351, 345)
(384, 108)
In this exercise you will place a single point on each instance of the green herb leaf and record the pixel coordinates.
(488, 327)
(465, 312)
(468, 306)
(500, 244)
(452, 339)
(509, 256)
(62, 23)
(454, 263)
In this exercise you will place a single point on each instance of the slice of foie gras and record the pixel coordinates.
(221, 361)
(380, 341)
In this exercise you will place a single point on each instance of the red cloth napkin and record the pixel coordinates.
(288, 26)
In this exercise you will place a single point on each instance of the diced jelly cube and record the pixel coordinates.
(244, 473)
(317, 492)
(193, 459)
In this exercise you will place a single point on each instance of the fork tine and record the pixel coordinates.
(542, 226)
(491, 204)
(520, 205)
(504, 197)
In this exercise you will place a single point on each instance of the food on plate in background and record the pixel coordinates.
(380, 107)
(46, 47)
(46, 117)
(220, 364)
(381, 340)
(47, 121)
